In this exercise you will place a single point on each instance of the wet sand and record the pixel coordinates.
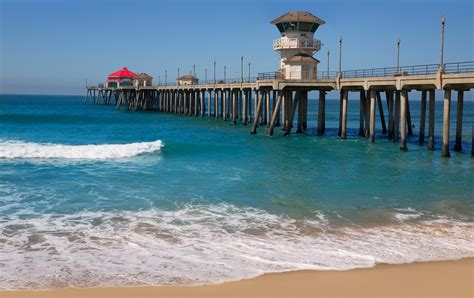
(432, 279)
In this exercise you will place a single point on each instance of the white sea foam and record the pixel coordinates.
(205, 244)
(19, 149)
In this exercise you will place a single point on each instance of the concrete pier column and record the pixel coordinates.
(289, 104)
(294, 104)
(446, 119)
(431, 120)
(283, 108)
(234, 106)
(224, 106)
(396, 122)
(196, 103)
(421, 138)
(245, 108)
(367, 114)
(389, 96)
(249, 99)
(216, 103)
(275, 114)
(458, 145)
(203, 104)
(305, 111)
(267, 108)
(362, 113)
(403, 120)
(258, 109)
(321, 113)
(372, 116)
(409, 125)
(260, 114)
(345, 94)
(381, 113)
(299, 126)
(209, 98)
(341, 95)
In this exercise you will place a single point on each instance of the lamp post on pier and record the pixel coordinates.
(178, 76)
(327, 74)
(166, 77)
(340, 55)
(225, 73)
(249, 72)
(242, 69)
(398, 54)
(205, 75)
(441, 65)
(194, 69)
(214, 72)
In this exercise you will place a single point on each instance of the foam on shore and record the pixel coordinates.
(205, 244)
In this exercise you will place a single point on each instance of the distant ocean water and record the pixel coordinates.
(91, 196)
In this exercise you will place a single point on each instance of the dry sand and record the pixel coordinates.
(433, 279)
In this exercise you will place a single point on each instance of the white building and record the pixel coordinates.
(297, 45)
(187, 80)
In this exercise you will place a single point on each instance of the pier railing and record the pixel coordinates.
(413, 70)
(459, 67)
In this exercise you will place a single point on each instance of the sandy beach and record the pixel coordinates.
(432, 279)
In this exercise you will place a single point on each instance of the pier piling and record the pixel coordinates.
(446, 119)
(458, 144)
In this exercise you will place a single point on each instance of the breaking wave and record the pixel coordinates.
(19, 149)
(200, 244)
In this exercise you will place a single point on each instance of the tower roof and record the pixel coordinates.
(301, 57)
(123, 73)
(298, 16)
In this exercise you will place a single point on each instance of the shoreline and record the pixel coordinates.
(423, 279)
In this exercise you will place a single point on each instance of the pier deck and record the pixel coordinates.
(270, 101)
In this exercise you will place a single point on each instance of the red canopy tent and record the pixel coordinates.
(123, 73)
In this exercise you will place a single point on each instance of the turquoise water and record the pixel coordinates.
(91, 196)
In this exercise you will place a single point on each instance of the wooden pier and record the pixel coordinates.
(269, 101)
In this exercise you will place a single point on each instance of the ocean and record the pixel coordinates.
(91, 196)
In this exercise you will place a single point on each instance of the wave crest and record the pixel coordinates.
(19, 149)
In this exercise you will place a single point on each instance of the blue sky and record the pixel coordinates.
(52, 46)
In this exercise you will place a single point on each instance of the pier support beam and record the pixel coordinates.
(403, 120)
(275, 114)
(291, 117)
(299, 126)
(224, 105)
(409, 125)
(389, 96)
(362, 113)
(234, 106)
(372, 116)
(209, 98)
(345, 94)
(258, 109)
(321, 113)
(304, 110)
(340, 112)
(396, 122)
(421, 138)
(431, 120)
(267, 108)
(381, 113)
(245, 108)
(458, 145)
(446, 119)
(367, 114)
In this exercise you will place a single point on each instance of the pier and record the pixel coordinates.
(280, 99)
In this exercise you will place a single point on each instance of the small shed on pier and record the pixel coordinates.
(143, 80)
(187, 80)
